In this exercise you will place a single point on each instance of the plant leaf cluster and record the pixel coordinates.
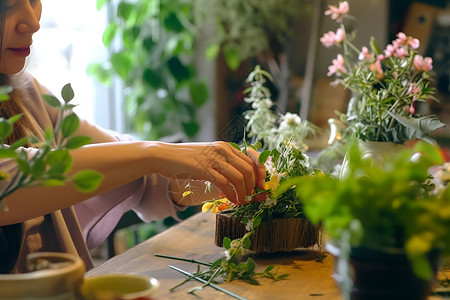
(155, 60)
(235, 265)
(50, 164)
(391, 205)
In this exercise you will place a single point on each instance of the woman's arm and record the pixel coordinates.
(225, 167)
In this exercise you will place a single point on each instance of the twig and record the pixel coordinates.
(185, 259)
(208, 283)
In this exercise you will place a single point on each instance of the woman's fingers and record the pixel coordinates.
(259, 170)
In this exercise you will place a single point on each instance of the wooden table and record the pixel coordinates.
(193, 238)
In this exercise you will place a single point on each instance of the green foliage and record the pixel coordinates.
(267, 125)
(50, 165)
(246, 28)
(394, 204)
(235, 265)
(155, 61)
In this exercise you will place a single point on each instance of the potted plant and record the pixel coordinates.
(271, 224)
(388, 85)
(388, 221)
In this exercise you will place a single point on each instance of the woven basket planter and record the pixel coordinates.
(279, 235)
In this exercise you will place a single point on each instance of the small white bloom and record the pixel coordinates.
(249, 225)
(227, 255)
(248, 198)
(269, 202)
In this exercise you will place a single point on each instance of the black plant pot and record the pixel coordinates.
(386, 276)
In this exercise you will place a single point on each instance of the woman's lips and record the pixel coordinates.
(24, 52)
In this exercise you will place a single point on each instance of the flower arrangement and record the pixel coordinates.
(51, 163)
(387, 85)
(286, 134)
(284, 138)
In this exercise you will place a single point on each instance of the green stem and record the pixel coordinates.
(184, 259)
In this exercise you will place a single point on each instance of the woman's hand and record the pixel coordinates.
(228, 169)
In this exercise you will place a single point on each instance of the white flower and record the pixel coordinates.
(269, 202)
(289, 120)
(249, 225)
(270, 166)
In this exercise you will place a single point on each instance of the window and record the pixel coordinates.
(69, 39)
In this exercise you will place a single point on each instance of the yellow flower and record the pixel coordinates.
(4, 175)
(273, 183)
(213, 205)
(187, 193)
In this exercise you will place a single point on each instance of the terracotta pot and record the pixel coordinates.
(273, 236)
(59, 277)
(383, 275)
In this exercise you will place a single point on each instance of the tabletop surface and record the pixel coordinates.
(309, 277)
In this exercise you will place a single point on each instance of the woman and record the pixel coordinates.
(147, 177)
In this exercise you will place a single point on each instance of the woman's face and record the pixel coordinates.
(21, 21)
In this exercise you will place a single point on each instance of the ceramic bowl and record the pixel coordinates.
(52, 276)
(118, 286)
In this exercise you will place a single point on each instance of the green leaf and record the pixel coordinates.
(122, 63)
(212, 50)
(172, 23)
(67, 93)
(109, 34)
(59, 161)
(269, 268)
(257, 221)
(232, 57)
(52, 101)
(7, 153)
(100, 72)
(199, 93)
(77, 142)
(5, 129)
(53, 182)
(70, 125)
(14, 118)
(226, 243)
(87, 180)
(235, 145)
(190, 128)
(247, 243)
(153, 78)
(125, 10)
(251, 265)
(179, 71)
(263, 156)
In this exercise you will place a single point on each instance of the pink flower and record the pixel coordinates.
(338, 13)
(390, 50)
(337, 67)
(405, 40)
(364, 54)
(423, 64)
(414, 90)
(377, 69)
(330, 38)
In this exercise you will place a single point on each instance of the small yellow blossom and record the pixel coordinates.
(4, 175)
(213, 205)
(187, 193)
(273, 183)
